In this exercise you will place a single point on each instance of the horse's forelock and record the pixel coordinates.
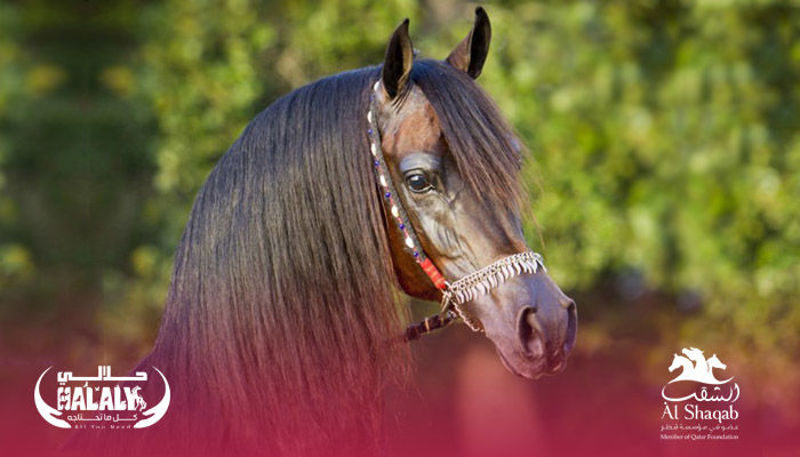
(482, 143)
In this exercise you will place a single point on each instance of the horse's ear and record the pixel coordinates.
(398, 61)
(470, 55)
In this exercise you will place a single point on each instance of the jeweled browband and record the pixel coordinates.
(458, 292)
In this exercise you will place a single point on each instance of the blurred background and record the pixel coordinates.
(664, 176)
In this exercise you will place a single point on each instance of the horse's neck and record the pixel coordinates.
(699, 361)
(686, 367)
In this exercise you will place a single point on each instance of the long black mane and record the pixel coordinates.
(281, 321)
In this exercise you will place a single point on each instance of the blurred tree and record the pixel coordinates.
(16, 268)
(666, 139)
(76, 162)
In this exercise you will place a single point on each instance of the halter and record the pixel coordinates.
(456, 293)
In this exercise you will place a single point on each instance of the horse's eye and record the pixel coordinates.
(418, 182)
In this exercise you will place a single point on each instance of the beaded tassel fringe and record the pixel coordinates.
(487, 278)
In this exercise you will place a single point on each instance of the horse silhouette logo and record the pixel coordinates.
(138, 400)
(695, 367)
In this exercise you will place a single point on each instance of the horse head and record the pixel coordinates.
(693, 353)
(677, 362)
(714, 362)
(456, 163)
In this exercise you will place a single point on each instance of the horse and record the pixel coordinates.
(140, 403)
(687, 369)
(699, 372)
(282, 328)
(715, 362)
(696, 356)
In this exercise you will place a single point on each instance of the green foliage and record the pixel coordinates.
(15, 263)
(75, 160)
(209, 66)
(667, 140)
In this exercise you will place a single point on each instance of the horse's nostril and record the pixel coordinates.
(572, 326)
(528, 330)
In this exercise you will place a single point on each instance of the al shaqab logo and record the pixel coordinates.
(698, 405)
(101, 402)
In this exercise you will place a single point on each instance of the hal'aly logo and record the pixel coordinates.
(101, 401)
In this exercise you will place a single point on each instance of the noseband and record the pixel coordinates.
(458, 292)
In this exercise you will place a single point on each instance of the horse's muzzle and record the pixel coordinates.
(533, 325)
